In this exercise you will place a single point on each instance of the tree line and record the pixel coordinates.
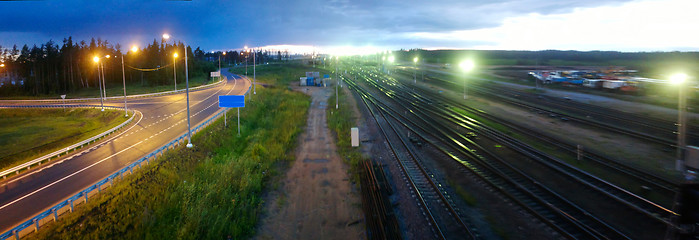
(52, 68)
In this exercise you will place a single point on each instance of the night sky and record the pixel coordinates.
(625, 25)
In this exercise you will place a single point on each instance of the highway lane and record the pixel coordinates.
(163, 119)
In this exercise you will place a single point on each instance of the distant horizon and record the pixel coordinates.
(330, 50)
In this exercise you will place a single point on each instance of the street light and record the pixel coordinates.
(186, 77)
(174, 69)
(254, 87)
(96, 59)
(337, 82)
(466, 66)
(415, 70)
(679, 79)
(134, 49)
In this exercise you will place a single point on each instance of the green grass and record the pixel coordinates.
(340, 121)
(29, 133)
(209, 192)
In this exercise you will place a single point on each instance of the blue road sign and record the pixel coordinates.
(231, 101)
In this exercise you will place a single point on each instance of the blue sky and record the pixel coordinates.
(625, 25)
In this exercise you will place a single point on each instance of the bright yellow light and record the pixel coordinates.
(175, 55)
(134, 48)
(2, 65)
(391, 58)
(166, 36)
(108, 56)
(415, 60)
(224, 53)
(678, 78)
(96, 59)
(467, 65)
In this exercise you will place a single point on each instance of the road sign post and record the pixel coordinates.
(232, 101)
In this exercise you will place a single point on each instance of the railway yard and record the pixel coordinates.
(502, 162)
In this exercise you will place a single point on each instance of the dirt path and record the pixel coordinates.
(316, 199)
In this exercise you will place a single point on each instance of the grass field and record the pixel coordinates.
(210, 192)
(29, 133)
(340, 121)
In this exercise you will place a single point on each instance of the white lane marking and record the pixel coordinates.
(85, 168)
(66, 177)
(74, 155)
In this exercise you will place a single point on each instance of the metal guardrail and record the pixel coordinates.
(34, 223)
(115, 97)
(47, 157)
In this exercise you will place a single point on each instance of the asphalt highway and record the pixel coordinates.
(159, 120)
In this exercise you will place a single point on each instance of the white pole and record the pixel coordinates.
(681, 128)
(99, 83)
(337, 82)
(464, 86)
(123, 78)
(104, 82)
(238, 121)
(254, 87)
(186, 77)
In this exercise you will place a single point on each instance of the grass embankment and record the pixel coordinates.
(210, 192)
(340, 121)
(29, 133)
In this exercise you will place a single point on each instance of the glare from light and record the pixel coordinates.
(2, 65)
(467, 65)
(175, 55)
(224, 53)
(134, 48)
(415, 60)
(108, 56)
(678, 78)
(391, 58)
(96, 59)
(166, 36)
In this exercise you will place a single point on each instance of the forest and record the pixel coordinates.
(52, 69)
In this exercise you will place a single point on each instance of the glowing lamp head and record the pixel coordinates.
(2, 65)
(391, 58)
(96, 59)
(108, 56)
(224, 53)
(175, 55)
(134, 48)
(678, 78)
(415, 60)
(166, 36)
(467, 65)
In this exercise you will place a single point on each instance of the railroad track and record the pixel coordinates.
(437, 205)
(647, 180)
(591, 182)
(648, 128)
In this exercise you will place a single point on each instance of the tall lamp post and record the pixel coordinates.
(219, 64)
(134, 49)
(254, 87)
(415, 70)
(337, 83)
(247, 54)
(466, 66)
(186, 77)
(96, 59)
(174, 68)
(679, 79)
